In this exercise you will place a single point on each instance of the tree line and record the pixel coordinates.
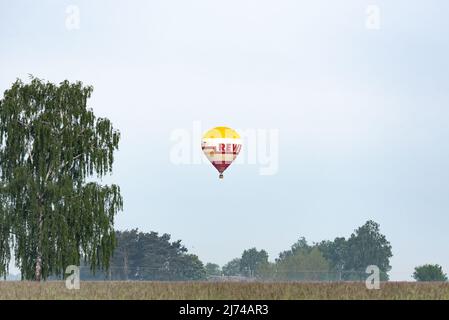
(338, 259)
(150, 256)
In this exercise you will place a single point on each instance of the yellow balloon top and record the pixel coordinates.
(221, 132)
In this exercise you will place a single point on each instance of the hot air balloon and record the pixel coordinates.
(221, 145)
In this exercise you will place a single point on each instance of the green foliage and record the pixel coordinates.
(300, 245)
(158, 258)
(232, 268)
(267, 271)
(303, 264)
(150, 256)
(189, 268)
(213, 269)
(346, 259)
(50, 144)
(429, 272)
(335, 251)
(252, 260)
(367, 246)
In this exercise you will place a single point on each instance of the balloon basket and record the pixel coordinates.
(220, 176)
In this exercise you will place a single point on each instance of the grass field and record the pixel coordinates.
(222, 290)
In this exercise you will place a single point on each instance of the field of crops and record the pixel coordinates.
(221, 290)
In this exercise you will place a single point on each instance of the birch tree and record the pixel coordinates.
(53, 210)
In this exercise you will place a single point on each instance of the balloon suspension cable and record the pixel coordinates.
(221, 176)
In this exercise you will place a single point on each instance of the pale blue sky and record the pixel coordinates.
(362, 115)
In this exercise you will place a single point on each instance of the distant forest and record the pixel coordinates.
(150, 256)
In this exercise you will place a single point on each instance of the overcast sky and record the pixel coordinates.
(362, 114)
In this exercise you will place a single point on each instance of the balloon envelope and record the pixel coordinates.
(221, 145)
